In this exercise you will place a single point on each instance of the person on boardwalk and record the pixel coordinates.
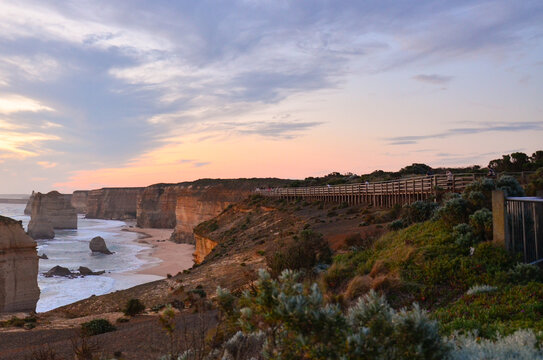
(491, 173)
(449, 179)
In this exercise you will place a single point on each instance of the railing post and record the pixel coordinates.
(499, 223)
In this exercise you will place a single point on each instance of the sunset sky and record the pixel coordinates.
(130, 93)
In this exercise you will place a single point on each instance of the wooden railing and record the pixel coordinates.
(383, 193)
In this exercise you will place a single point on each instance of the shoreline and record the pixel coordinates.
(172, 257)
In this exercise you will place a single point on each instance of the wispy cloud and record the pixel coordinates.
(480, 128)
(433, 79)
(46, 164)
(10, 103)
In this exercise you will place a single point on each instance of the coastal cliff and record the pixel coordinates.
(18, 268)
(184, 205)
(113, 203)
(79, 201)
(203, 247)
(51, 211)
(156, 206)
(196, 204)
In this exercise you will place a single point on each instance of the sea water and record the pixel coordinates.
(70, 249)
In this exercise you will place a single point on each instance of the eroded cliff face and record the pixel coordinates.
(19, 289)
(197, 204)
(51, 211)
(203, 247)
(28, 207)
(113, 203)
(156, 206)
(79, 201)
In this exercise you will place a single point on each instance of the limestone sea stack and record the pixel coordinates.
(51, 211)
(28, 207)
(79, 201)
(113, 203)
(98, 244)
(19, 289)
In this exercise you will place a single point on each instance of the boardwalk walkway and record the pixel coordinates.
(384, 193)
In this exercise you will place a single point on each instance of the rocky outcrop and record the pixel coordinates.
(19, 289)
(79, 201)
(28, 207)
(58, 271)
(156, 206)
(85, 271)
(113, 203)
(98, 244)
(203, 247)
(65, 272)
(51, 211)
(196, 204)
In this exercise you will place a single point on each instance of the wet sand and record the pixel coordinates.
(173, 257)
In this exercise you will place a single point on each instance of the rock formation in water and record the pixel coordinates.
(85, 271)
(79, 201)
(58, 271)
(28, 207)
(98, 244)
(51, 211)
(113, 203)
(19, 289)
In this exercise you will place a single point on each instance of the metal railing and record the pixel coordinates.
(524, 227)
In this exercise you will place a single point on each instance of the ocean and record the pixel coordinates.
(70, 248)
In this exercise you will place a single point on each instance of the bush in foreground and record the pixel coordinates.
(285, 319)
(96, 327)
(302, 253)
(133, 307)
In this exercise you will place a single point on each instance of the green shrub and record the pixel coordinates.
(525, 273)
(133, 307)
(96, 327)
(510, 186)
(298, 324)
(535, 183)
(478, 193)
(454, 211)
(418, 211)
(301, 253)
(463, 235)
(481, 224)
(396, 225)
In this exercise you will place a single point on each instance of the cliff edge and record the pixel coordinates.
(19, 289)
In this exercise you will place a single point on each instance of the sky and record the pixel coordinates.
(131, 93)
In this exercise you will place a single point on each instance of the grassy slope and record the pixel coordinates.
(431, 269)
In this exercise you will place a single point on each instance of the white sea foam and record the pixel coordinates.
(70, 248)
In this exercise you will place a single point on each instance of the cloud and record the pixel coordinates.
(433, 79)
(39, 67)
(10, 103)
(22, 144)
(482, 127)
(200, 164)
(46, 164)
(272, 129)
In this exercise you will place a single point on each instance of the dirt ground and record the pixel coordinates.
(140, 338)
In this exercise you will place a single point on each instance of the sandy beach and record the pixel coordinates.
(174, 257)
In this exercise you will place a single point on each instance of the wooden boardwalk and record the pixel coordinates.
(384, 193)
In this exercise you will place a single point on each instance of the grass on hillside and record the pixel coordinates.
(423, 263)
